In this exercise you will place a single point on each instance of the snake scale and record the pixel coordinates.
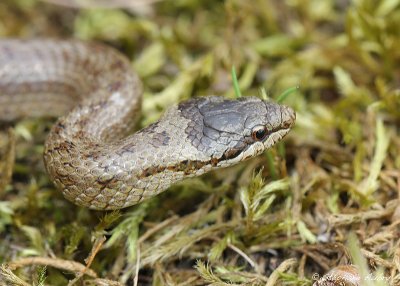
(91, 153)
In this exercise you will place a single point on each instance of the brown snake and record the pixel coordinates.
(91, 153)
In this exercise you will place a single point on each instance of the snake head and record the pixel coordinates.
(230, 131)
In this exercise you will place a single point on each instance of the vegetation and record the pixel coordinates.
(327, 196)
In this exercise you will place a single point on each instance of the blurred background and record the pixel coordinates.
(291, 210)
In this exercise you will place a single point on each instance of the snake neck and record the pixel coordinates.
(126, 171)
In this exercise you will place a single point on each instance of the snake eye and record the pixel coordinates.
(259, 133)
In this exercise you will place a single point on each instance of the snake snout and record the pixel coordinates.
(288, 117)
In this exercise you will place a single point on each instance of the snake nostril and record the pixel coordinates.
(288, 117)
(286, 124)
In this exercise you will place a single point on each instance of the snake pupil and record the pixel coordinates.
(259, 133)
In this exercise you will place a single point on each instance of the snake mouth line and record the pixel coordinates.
(275, 137)
(271, 140)
(192, 166)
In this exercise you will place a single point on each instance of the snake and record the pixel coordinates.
(92, 152)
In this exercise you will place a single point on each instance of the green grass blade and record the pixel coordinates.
(286, 93)
(235, 83)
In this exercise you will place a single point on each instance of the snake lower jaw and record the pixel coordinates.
(256, 149)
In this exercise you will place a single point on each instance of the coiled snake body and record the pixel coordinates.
(91, 153)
